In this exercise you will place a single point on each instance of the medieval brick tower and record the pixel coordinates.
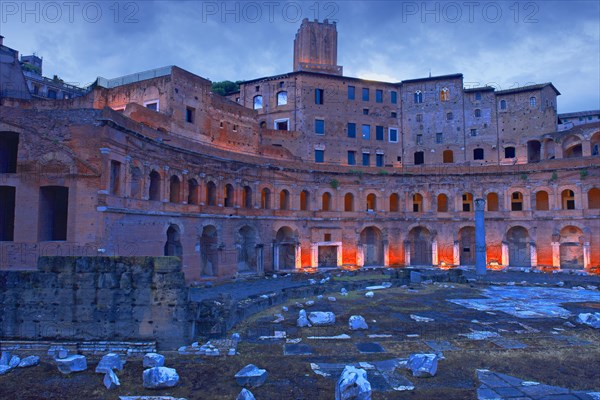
(315, 47)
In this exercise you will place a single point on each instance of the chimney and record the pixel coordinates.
(1, 40)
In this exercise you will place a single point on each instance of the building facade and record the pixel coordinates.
(304, 169)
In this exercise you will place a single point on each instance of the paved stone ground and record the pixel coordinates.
(513, 311)
(500, 386)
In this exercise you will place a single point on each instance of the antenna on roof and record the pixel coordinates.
(430, 72)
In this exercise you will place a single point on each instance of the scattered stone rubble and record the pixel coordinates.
(160, 378)
(356, 322)
(353, 384)
(423, 365)
(251, 376)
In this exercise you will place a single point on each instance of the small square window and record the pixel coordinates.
(366, 132)
(365, 111)
(379, 133)
(478, 96)
(394, 114)
(473, 132)
(319, 156)
(152, 105)
(366, 159)
(439, 137)
(319, 93)
(509, 152)
(351, 158)
(189, 115)
(351, 91)
(319, 126)
(351, 130)
(257, 88)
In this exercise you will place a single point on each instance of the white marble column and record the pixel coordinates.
(407, 253)
(360, 255)
(314, 255)
(298, 256)
(456, 253)
(339, 255)
(434, 252)
(386, 253)
(505, 254)
(587, 255)
(533, 254)
(556, 254)
(275, 256)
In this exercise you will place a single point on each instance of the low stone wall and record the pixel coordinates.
(97, 299)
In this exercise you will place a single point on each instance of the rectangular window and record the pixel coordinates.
(366, 159)
(189, 115)
(115, 177)
(439, 137)
(351, 158)
(419, 158)
(319, 156)
(366, 132)
(473, 132)
(394, 114)
(152, 105)
(393, 135)
(419, 117)
(379, 96)
(365, 111)
(379, 160)
(394, 97)
(509, 152)
(282, 124)
(319, 94)
(365, 94)
(53, 212)
(52, 94)
(319, 126)
(379, 133)
(7, 213)
(351, 130)
(449, 116)
(419, 139)
(351, 90)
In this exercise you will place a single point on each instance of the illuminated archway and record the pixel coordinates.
(420, 246)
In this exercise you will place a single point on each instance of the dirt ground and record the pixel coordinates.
(552, 352)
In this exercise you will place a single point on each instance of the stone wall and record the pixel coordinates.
(97, 298)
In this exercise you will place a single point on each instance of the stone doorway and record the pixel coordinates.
(371, 240)
(519, 253)
(571, 250)
(420, 246)
(466, 241)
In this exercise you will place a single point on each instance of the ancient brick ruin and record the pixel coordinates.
(305, 169)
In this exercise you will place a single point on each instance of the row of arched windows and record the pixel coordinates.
(442, 204)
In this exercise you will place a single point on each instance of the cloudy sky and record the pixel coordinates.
(501, 43)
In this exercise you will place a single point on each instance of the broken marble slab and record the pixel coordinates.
(343, 336)
(420, 319)
(384, 285)
(479, 335)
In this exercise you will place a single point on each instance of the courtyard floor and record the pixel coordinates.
(513, 336)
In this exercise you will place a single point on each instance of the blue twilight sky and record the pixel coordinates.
(500, 43)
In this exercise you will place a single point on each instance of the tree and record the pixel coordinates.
(225, 88)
